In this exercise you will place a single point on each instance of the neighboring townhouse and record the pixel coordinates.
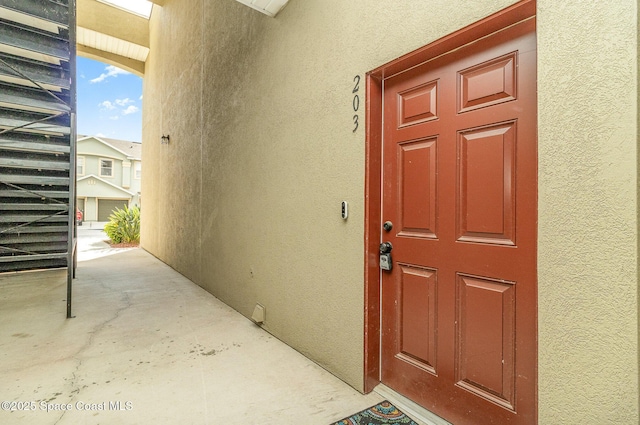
(108, 174)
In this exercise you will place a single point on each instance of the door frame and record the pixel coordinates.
(373, 162)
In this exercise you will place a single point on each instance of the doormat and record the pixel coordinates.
(383, 413)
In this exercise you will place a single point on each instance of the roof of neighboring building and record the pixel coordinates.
(90, 191)
(131, 149)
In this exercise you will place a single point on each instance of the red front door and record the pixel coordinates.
(459, 187)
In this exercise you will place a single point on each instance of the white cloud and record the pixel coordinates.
(107, 105)
(140, 97)
(123, 102)
(130, 110)
(114, 118)
(111, 71)
(101, 135)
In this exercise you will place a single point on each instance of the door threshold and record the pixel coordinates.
(414, 410)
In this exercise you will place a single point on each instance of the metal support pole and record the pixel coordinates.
(73, 225)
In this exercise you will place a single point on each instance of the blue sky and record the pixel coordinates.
(109, 101)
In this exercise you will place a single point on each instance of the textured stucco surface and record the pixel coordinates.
(587, 290)
(245, 200)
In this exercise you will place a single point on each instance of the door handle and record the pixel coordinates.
(385, 247)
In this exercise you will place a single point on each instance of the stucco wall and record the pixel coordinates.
(245, 199)
(588, 307)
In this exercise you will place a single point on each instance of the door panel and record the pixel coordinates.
(488, 83)
(418, 314)
(486, 184)
(485, 338)
(418, 201)
(460, 187)
(418, 104)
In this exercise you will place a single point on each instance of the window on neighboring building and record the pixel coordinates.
(137, 170)
(80, 163)
(106, 168)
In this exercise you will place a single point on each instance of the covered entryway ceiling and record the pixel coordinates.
(115, 36)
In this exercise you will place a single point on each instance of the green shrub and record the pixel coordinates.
(124, 225)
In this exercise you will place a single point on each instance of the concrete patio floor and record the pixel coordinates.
(147, 346)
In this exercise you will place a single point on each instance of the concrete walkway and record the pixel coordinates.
(147, 346)
(92, 244)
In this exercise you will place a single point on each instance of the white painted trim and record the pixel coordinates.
(108, 145)
(117, 158)
(414, 410)
(271, 8)
(105, 182)
(135, 8)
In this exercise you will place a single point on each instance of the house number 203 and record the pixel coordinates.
(356, 102)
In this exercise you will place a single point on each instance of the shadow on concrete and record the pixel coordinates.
(148, 346)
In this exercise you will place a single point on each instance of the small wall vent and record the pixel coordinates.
(259, 313)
